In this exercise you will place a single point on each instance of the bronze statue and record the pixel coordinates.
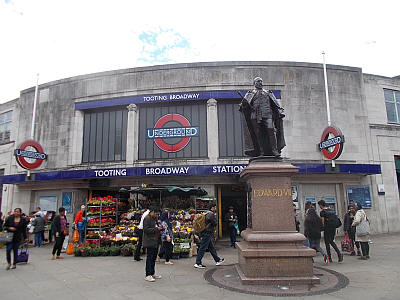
(262, 122)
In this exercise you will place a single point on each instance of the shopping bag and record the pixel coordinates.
(70, 248)
(23, 254)
(75, 236)
(347, 245)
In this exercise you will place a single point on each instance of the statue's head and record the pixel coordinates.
(258, 82)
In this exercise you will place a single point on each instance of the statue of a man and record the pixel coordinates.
(262, 122)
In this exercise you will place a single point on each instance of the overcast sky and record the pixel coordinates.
(64, 38)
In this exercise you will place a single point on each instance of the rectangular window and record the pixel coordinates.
(5, 126)
(104, 136)
(392, 101)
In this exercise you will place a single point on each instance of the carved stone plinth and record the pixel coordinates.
(272, 250)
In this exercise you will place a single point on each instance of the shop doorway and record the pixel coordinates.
(236, 196)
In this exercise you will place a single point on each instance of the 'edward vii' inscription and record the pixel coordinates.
(271, 192)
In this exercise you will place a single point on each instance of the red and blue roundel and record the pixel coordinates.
(28, 159)
(175, 128)
(332, 141)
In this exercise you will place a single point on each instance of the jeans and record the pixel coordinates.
(38, 238)
(139, 244)
(81, 235)
(58, 245)
(12, 246)
(329, 236)
(151, 261)
(232, 234)
(206, 243)
(365, 248)
(352, 236)
(167, 246)
(315, 244)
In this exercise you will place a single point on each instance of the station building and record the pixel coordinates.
(180, 125)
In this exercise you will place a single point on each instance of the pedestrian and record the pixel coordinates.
(38, 229)
(17, 224)
(206, 238)
(350, 230)
(1, 221)
(312, 230)
(329, 230)
(231, 219)
(151, 233)
(296, 220)
(60, 231)
(80, 223)
(42, 214)
(167, 236)
(139, 233)
(50, 218)
(362, 239)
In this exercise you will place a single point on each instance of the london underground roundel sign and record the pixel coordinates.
(332, 141)
(181, 134)
(27, 158)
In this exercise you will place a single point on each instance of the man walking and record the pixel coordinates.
(151, 233)
(327, 214)
(206, 238)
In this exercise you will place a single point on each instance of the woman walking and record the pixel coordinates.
(61, 231)
(16, 224)
(361, 237)
(167, 237)
(312, 230)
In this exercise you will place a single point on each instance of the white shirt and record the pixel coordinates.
(141, 220)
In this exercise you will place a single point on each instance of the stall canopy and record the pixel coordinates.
(167, 191)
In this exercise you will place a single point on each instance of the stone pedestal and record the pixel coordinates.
(272, 250)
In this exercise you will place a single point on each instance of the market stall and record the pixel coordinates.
(112, 221)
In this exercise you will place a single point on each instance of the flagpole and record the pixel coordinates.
(328, 110)
(34, 108)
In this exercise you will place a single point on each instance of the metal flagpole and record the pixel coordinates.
(34, 114)
(328, 111)
(34, 108)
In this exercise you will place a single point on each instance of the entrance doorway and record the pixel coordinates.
(236, 196)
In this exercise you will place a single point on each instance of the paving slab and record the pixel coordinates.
(121, 278)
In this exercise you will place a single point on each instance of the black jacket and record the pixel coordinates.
(313, 227)
(150, 233)
(211, 222)
(228, 218)
(20, 233)
(347, 223)
(57, 225)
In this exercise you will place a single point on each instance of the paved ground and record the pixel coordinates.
(120, 278)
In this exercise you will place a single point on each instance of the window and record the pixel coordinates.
(5, 126)
(104, 136)
(392, 101)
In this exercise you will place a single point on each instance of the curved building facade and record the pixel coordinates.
(180, 125)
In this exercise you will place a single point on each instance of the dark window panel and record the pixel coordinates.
(118, 135)
(105, 140)
(99, 135)
(111, 137)
(124, 133)
(86, 133)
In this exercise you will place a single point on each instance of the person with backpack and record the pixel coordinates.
(330, 221)
(362, 237)
(312, 230)
(210, 222)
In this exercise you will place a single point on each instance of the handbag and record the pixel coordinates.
(6, 237)
(347, 245)
(66, 232)
(70, 249)
(363, 228)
